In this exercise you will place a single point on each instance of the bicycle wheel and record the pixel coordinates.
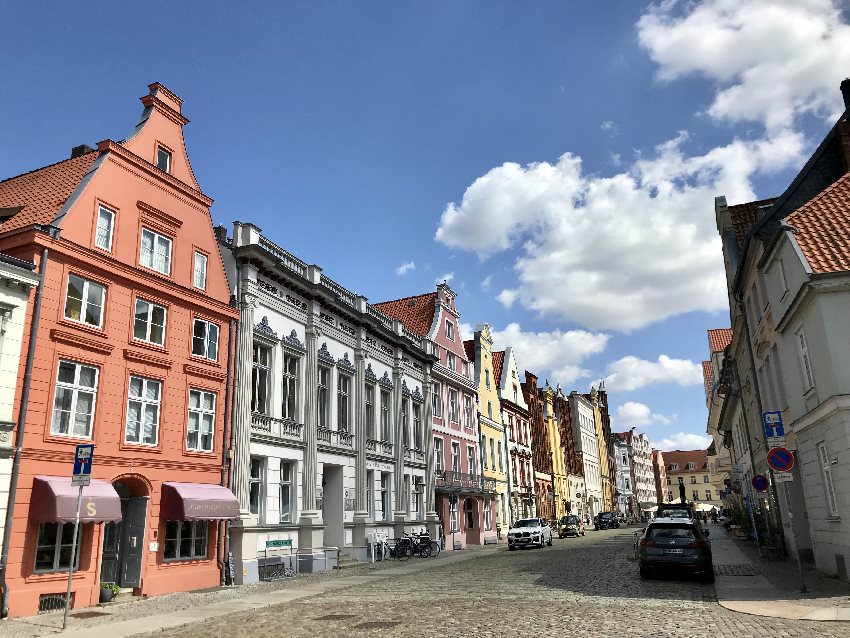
(435, 549)
(402, 551)
(424, 550)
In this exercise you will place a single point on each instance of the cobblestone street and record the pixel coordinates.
(580, 586)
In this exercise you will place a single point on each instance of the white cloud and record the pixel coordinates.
(405, 268)
(446, 277)
(610, 127)
(467, 331)
(507, 297)
(632, 373)
(683, 441)
(634, 414)
(486, 283)
(616, 160)
(556, 355)
(771, 60)
(615, 252)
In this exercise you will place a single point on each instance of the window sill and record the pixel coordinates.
(148, 345)
(209, 362)
(140, 447)
(81, 325)
(46, 577)
(66, 439)
(833, 519)
(167, 563)
(203, 454)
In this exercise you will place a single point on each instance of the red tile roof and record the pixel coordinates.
(469, 346)
(719, 338)
(745, 215)
(416, 313)
(42, 192)
(625, 437)
(682, 457)
(706, 375)
(823, 228)
(498, 364)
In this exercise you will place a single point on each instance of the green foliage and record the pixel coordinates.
(112, 586)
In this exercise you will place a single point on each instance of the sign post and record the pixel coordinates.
(81, 476)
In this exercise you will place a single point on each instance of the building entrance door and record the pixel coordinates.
(123, 542)
(333, 505)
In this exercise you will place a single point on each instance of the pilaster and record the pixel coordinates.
(244, 355)
(310, 521)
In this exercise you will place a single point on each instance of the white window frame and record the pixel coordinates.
(783, 278)
(805, 359)
(417, 425)
(323, 396)
(450, 330)
(437, 400)
(386, 496)
(148, 320)
(467, 411)
(144, 402)
(451, 362)
(369, 399)
(343, 401)
(455, 457)
(76, 389)
(826, 476)
(103, 239)
(150, 262)
(488, 518)
(258, 483)
(205, 340)
(454, 519)
(85, 302)
(168, 156)
(199, 275)
(385, 398)
(405, 422)
(260, 379)
(470, 460)
(453, 406)
(201, 412)
(289, 387)
(286, 481)
(439, 455)
(484, 452)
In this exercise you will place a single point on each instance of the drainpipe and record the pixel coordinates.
(22, 417)
(225, 449)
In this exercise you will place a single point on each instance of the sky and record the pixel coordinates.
(555, 162)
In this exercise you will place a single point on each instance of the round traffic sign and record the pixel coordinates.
(780, 459)
(760, 483)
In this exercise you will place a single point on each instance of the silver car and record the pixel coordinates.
(529, 531)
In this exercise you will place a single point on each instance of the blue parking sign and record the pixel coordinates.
(773, 426)
(83, 459)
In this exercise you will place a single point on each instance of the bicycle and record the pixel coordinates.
(419, 544)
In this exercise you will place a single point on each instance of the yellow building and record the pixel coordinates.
(560, 481)
(602, 442)
(691, 468)
(494, 459)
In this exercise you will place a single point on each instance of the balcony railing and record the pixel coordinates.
(464, 482)
(335, 438)
(381, 447)
(412, 454)
(277, 428)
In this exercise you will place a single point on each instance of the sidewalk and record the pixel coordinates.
(173, 610)
(751, 585)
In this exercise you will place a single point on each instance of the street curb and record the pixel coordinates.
(787, 610)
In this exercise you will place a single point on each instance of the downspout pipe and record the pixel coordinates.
(225, 449)
(22, 418)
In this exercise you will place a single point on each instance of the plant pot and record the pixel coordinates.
(106, 594)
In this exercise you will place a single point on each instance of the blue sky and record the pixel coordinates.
(557, 162)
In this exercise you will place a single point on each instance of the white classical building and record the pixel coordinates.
(644, 487)
(625, 500)
(584, 431)
(331, 417)
(17, 279)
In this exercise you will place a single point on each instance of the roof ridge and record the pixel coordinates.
(424, 294)
(824, 193)
(41, 168)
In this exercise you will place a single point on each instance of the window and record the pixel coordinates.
(260, 380)
(455, 457)
(493, 453)
(450, 330)
(453, 405)
(54, 545)
(84, 301)
(674, 466)
(464, 369)
(438, 454)
(386, 434)
(286, 501)
(467, 411)
(451, 364)
(488, 519)
(693, 480)
(199, 273)
(418, 489)
(708, 495)
(516, 395)
(143, 411)
(454, 522)
(437, 400)
(185, 540)
(783, 279)
(805, 362)
(199, 434)
(156, 252)
(470, 459)
(490, 410)
(255, 485)
(386, 507)
(163, 159)
(405, 430)
(149, 322)
(73, 405)
(826, 474)
(290, 387)
(692, 466)
(343, 391)
(501, 459)
(417, 426)
(322, 399)
(487, 378)
(205, 339)
(370, 410)
(484, 451)
(695, 495)
(405, 497)
(469, 513)
(105, 224)
(705, 478)
(370, 492)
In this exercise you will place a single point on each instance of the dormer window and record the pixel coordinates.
(163, 159)
(692, 466)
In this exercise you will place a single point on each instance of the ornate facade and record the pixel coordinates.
(541, 448)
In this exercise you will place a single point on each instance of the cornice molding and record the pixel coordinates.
(149, 359)
(158, 215)
(80, 341)
(198, 371)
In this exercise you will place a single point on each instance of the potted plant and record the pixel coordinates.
(108, 591)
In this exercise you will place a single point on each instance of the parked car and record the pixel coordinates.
(570, 525)
(529, 531)
(675, 545)
(606, 520)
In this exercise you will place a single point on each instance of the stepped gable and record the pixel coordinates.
(822, 228)
(415, 313)
(40, 194)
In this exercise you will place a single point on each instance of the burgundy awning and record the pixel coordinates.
(197, 502)
(54, 500)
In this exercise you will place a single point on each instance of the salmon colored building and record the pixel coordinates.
(131, 354)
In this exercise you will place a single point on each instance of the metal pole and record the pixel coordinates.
(73, 557)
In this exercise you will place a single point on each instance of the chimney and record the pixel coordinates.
(82, 149)
(845, 92)
(221, 234)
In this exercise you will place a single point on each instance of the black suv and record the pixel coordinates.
(675, 544)
(606, 520)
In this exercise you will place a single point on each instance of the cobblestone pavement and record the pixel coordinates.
(581, 586)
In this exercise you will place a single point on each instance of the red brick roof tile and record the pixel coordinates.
(745, 215)
(719, 338)
(681, 458)
(625, 437)
(823, 228)
(498, 364)
(416, 313)
(707, 369)
(42, 192)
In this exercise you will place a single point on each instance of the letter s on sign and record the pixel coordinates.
(91, 509)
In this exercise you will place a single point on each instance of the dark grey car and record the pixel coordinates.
(675, 545)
